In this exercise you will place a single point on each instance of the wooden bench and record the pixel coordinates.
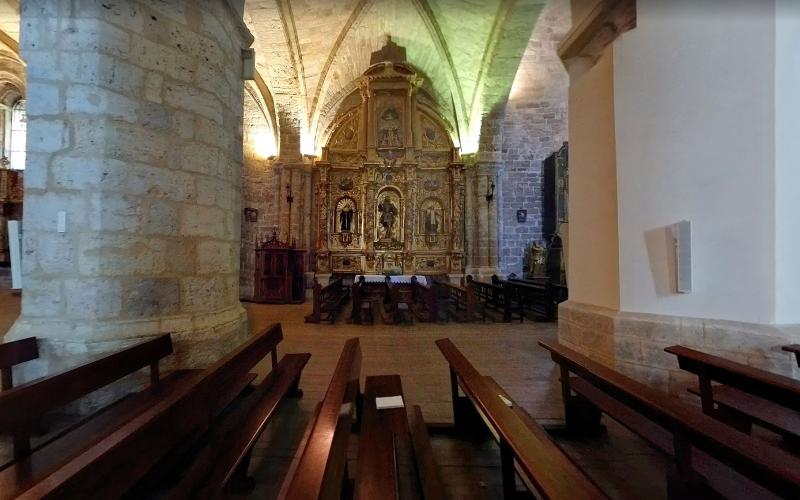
(537, 297)
(492, 299)
(157, 437)
(401, 299)
(222, 462)
(461, 302)
(319, 470)
(794, 349)
(328, 301)
(425, 304)
(13, 354)
(747, 395)
(25, 406)
(524, 445)
(395, 458)
(709, 459)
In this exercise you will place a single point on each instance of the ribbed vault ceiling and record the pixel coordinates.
(310, 52)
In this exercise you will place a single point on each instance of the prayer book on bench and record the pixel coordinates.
(387, 403)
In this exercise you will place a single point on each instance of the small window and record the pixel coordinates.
(18, 127)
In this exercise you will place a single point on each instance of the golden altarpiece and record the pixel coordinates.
(390, 196)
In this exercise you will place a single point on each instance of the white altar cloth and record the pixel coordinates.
(380, 278)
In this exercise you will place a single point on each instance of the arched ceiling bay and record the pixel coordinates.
(310, 52)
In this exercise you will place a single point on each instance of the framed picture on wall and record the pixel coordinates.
(522, 215)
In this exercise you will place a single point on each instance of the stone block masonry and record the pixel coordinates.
(135, 131)
(534, 126)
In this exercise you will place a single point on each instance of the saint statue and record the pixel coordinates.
(345, 220)
(388, 219)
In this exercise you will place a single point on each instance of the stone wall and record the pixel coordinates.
(634, 343)
(259, 191)
(134, 130)
(535, 126)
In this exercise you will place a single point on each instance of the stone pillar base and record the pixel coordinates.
(198, 341)
(633, 343)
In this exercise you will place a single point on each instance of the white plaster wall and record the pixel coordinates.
(694, 102)
(593, 272)
(787, 139)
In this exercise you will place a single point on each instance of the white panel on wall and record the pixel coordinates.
(14, 245)
(682, 232)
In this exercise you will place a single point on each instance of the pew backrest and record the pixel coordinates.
(106, 469)
(773, 468)
(15, 353)
(320, 470)
(547, 468)
(794, 349)
(777, 388)
(33, 399)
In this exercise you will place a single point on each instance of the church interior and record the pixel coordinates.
(407, 249)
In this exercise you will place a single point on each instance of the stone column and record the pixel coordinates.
(487, 230)
(136, 138)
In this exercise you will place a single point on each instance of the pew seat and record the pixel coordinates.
(525, 447)
(748, 409)
(710, 459)
(745, 395)
(223, 460)
(319, 468)
(161, 437)
(395, 458)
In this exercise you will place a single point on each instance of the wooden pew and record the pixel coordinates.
(425, 301)
(401, 299)
(146, 442)
(495, 300)
(25, 406)
(328, 301)
(319, 470)
(221, 464)
(747, 395)
(534, 296)
(709, 458)
(13, 354)
(462, 303)
(395, 459)
(524, 445)
(795, 349)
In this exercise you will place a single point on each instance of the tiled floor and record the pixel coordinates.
(623, 465)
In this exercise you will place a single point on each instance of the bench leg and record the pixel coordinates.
(295, 391)
(240, 481)
(509, 474)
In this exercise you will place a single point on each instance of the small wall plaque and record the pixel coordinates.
(522, 215)
(250, 214)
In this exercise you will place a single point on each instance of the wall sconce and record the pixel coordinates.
(489, 189)
(248, 64)
(289, 196)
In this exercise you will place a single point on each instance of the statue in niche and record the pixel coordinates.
(345, 220)
(388, 219)
(433, 220)
(389, 129)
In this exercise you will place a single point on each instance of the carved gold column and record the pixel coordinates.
(322, 195)
(367, 205)
(410, 215)
(457, 204)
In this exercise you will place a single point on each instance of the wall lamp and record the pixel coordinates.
(489, 189)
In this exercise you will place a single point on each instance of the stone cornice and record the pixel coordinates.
(606, 21)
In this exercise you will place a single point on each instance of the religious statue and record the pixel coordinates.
(345, 220)
(388, 219)
(389, 130)
(432, 220)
